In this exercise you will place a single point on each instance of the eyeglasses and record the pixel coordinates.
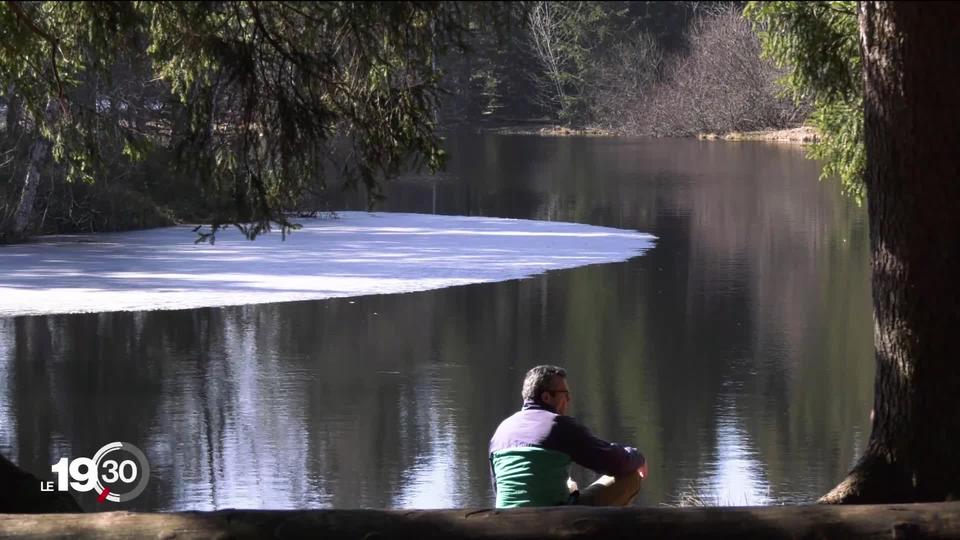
(567, 392)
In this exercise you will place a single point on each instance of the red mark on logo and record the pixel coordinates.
(103, 495)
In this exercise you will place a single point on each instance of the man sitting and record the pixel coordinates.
(531, 452)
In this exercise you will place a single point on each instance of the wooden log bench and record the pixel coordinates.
(925, 520)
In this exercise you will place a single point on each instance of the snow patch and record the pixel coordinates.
(357, 254)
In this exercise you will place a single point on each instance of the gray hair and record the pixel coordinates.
(537, 381)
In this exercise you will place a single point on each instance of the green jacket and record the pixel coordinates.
(531, 452)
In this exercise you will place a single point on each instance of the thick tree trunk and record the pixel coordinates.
(912, 128)
(931, 520)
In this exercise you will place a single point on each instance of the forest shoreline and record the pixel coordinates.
(802, 135)
(549, 130)
(796, 135)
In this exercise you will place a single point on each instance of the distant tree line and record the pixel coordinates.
(643, 68)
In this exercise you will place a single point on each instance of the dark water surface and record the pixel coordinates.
(736, 354)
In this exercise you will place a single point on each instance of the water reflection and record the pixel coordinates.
(735, 476)
(736, 354)
(8, 435)
(432, 481)
(237, 413)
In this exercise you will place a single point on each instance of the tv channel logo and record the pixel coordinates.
(118, 472)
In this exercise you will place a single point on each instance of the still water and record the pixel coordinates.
(736, 354)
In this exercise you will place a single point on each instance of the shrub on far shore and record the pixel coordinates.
(722, 85)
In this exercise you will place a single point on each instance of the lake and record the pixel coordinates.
(736, 354)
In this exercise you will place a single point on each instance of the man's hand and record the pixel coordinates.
(643, 470)
(571, 485)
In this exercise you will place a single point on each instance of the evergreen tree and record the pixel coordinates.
(817, 43)
(262, 100)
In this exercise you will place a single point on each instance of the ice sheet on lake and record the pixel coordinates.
(357, 254)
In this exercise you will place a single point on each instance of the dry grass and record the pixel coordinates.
(698, 497)
(551, 131)
(799, 135)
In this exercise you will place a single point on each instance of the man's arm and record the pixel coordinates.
(593, 453)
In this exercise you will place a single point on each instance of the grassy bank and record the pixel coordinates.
(549, 130)
(799, 135)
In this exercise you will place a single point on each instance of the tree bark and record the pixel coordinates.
(14, 110)
(23, 215)
(912, 130)
(931, 520)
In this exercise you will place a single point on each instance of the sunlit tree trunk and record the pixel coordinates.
(23, 216)
(912, 127)
(39, 151)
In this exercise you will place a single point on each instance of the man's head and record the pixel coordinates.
(547, 385)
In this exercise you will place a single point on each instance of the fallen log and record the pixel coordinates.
(925, 520)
